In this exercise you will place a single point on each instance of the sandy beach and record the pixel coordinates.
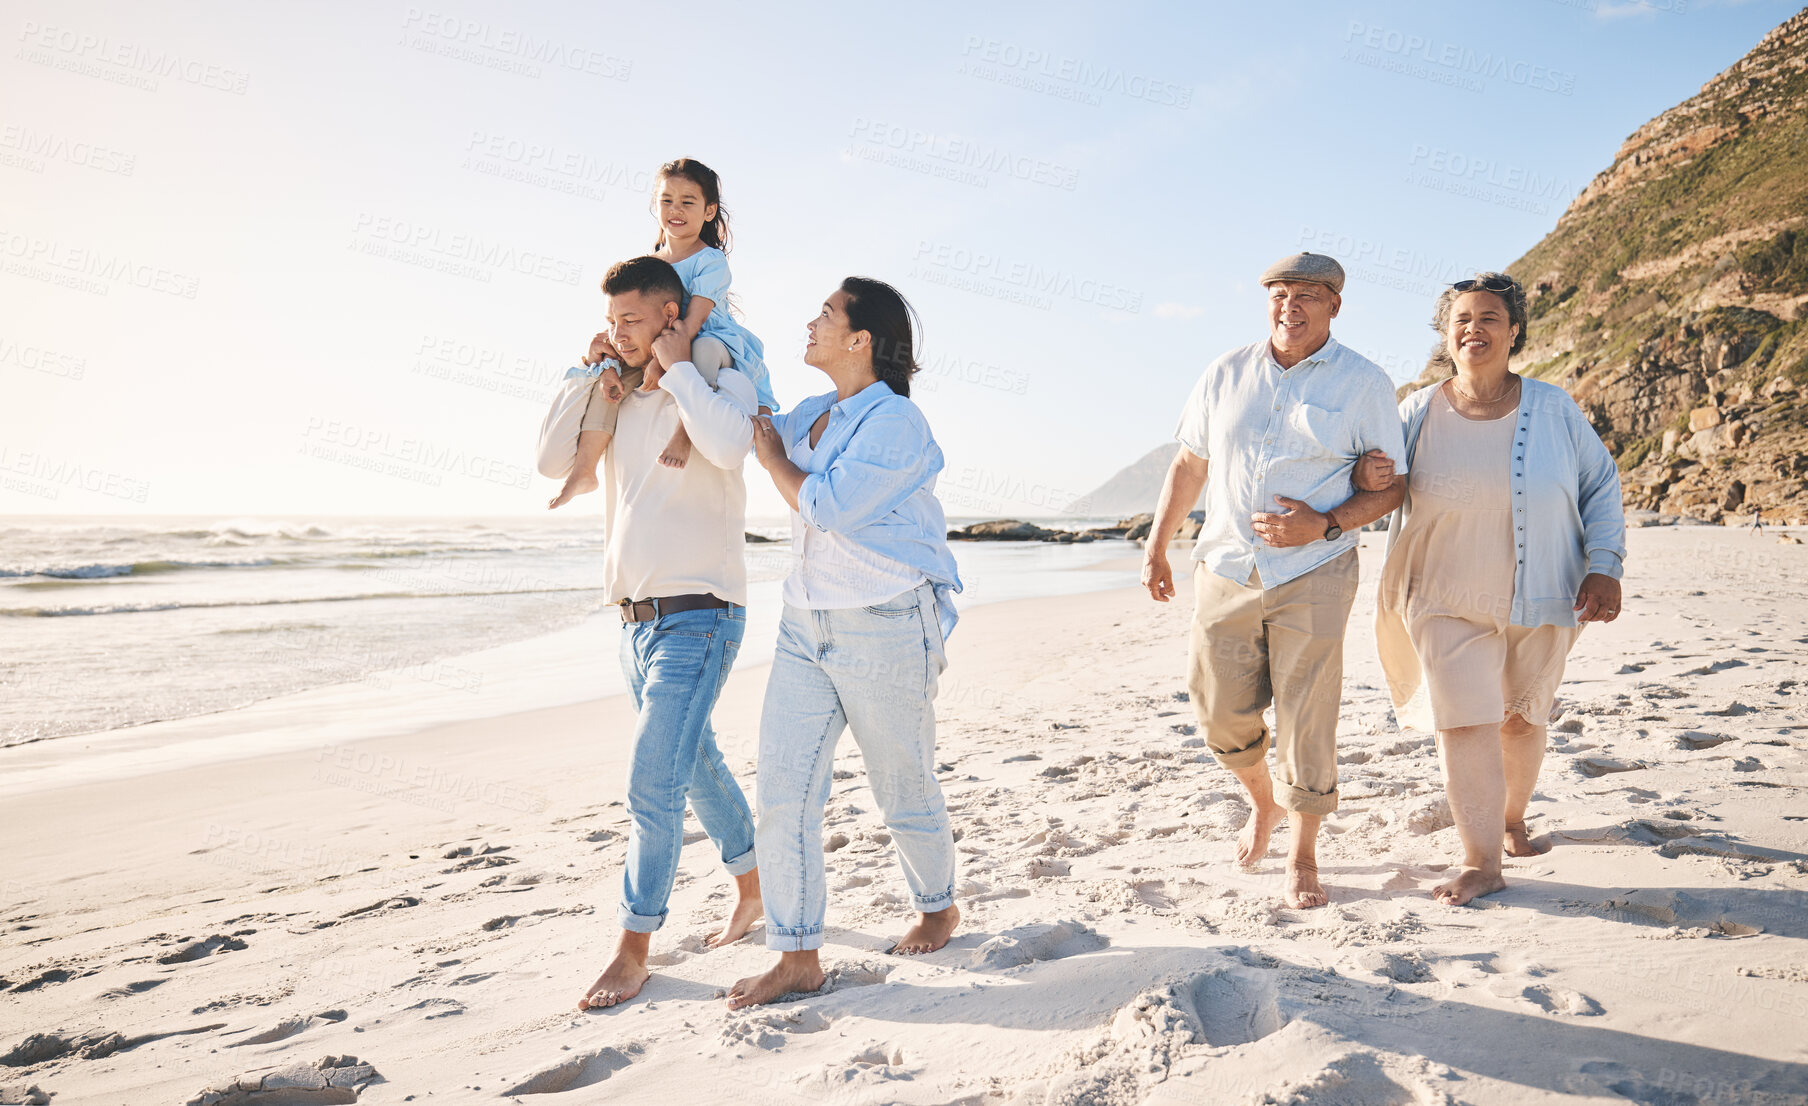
(424, 910)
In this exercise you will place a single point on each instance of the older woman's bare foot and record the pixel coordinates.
(624, 976)
(1470, 883)
(930, 933)
(746, 911)
(795, 973)
(1303, 889)
(1252, 839)
(1519, 842)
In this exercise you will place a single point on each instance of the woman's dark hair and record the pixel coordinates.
(715, 232)
(882, 311)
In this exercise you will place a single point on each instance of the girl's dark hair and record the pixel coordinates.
(715, 232)
(882, 311)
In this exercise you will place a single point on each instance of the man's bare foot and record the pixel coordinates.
(1470, 883)
(1252, 839)
(930, 933)
(793, 974)
(620, 981)
(1519, 842)
(1303, 889)
(746, 911)
(677, 451)
(576, 484)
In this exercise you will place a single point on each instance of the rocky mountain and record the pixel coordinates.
(1133, 489)
(1671, 298)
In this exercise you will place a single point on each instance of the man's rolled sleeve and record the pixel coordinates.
(1194, 429)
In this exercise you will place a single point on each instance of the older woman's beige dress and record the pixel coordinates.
(1452, 656)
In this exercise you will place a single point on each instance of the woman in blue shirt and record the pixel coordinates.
(1511, 536)
(860, 646)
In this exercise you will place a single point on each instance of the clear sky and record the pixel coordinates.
(333, 259)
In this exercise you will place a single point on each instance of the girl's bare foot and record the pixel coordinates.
(575, 485)
(746, 911)
(930, 933)
(1252, 839)
(677, 451)
(1519, 842)
(1470, 883)
(795, 973)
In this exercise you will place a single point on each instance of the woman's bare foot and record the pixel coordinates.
(624, 976)
(1252, 839)
(1519, 842)
(930, 933)
(677, 451)
(746, 911)
(1470, 883)
(1303, 888)
(576, 484)
(795, 973)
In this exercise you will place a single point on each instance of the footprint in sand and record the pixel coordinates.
(190, 950)
(41, 1048)
(1595, 767)
(1230, 1006)
(582, 1069)
(281, 1031)
(1025, 944)
(339, 1079)
(1557, 1000)
(48, 977)
(772, 1029)
(685, 949)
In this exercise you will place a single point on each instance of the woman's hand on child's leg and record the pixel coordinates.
(1374, 472)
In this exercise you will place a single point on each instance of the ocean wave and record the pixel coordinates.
(135, 568)
(145, 608)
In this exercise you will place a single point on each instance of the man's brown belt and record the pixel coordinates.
(646, 610)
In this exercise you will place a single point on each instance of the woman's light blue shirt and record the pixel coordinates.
(875, 486)
(1568, 520)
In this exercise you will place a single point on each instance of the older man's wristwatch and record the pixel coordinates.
(1332, 530)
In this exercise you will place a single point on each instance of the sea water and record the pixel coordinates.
(384, 624)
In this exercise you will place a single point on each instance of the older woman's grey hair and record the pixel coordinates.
(1511, 294)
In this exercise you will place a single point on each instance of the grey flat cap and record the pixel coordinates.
(1314, 267)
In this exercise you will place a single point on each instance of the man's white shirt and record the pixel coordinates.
(679, 531)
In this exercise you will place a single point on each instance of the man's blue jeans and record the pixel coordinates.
(675, 666)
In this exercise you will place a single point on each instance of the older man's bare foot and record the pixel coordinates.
(1303, 889)
(795, 973)
(622, 979)
(1470, 883)
(930, 933)
(746, 911)
(1252, 839)
(1519, 843)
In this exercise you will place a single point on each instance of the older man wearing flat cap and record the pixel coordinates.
(1272, 432)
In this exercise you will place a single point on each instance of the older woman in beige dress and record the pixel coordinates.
(1511, 536)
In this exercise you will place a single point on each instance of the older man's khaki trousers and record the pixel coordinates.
(1252, 646)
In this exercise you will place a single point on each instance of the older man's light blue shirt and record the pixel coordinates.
(874, 482)
(1296, 432)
